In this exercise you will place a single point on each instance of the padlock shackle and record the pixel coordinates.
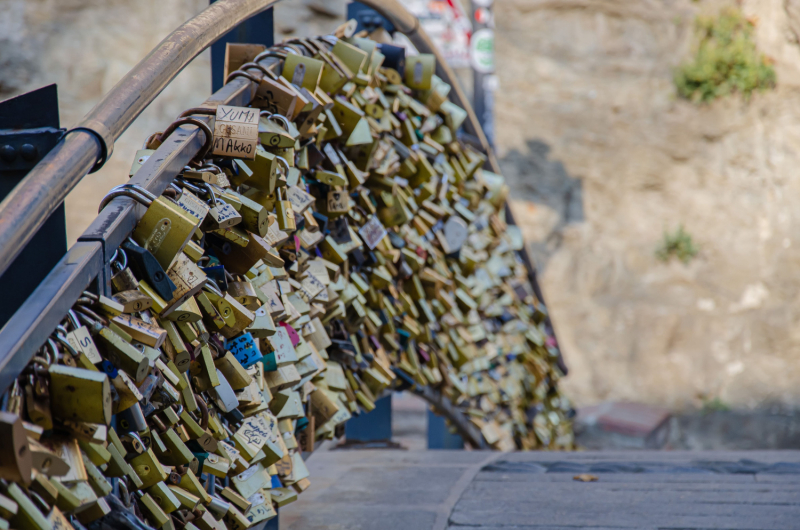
(135, 436)
(290, 48)
(203, 409)
(64, 342)
(211, 168)
(91, 296)
(145, 193)
(299, 42)
(241, 73)
(200, 156)
(282, 161)
(124, 493)
(263, 69)
(188, 185)
(284, 121)
(53, 350)
(174, 189)
(210, 191)
(122, 193)
(202, 111)
(114, 259)
(73, 318)
(89, 316)
(38, 499)
(212, 286)
(325, 39)
(269, 53)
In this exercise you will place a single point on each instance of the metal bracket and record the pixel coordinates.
(29, 130)
(367, 18)
(104, 137)
(20, 150)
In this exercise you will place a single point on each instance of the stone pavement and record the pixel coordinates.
(422, 490)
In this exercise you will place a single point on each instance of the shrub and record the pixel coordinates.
(678, 244)
(726, 60)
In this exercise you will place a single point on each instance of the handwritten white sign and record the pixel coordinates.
(236, 132)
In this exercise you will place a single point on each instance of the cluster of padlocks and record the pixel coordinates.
(331, 242)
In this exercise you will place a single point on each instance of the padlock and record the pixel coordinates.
(79, 395)
(285, 214)
(123, 279)
(133, 301)
(123, 355)
(302, 71)
(213, 214)
(15, 458)
(243, 292)
(221, 215)
(132, 419)
(191, 203)
(274, 130)
(165, 227)
(384, 254)
(146, 268)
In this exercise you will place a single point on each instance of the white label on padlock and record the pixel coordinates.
(300, 199)
(192, 205)
(81, 340)
(236, 132)
(372, 232)
(282, 344)
(312, 286)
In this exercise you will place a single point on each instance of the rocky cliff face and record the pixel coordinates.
(592, 136)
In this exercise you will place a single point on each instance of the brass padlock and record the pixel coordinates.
(164, 229)
(283, 209)
(15, 458)
(123, 279)
(80, 395)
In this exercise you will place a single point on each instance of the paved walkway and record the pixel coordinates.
(422, 490)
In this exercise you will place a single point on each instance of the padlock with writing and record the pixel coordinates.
(164, 229)
(283, 209)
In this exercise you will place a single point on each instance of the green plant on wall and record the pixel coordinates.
(726, 60)
(678, 244)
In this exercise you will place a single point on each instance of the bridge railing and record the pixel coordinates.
(86, 147)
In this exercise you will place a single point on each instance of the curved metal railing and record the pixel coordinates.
(28, 206)
(88, 145)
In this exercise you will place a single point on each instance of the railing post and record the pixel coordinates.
(259, 29)
(367, 17)
(29, 128)
(375, 426)
(439, 436)
(482, 60)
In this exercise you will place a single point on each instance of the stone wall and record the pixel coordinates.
(591, 133)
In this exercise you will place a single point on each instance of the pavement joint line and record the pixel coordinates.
(445, 510)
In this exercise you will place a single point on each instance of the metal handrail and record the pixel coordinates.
(32, 201)
(24, 211)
